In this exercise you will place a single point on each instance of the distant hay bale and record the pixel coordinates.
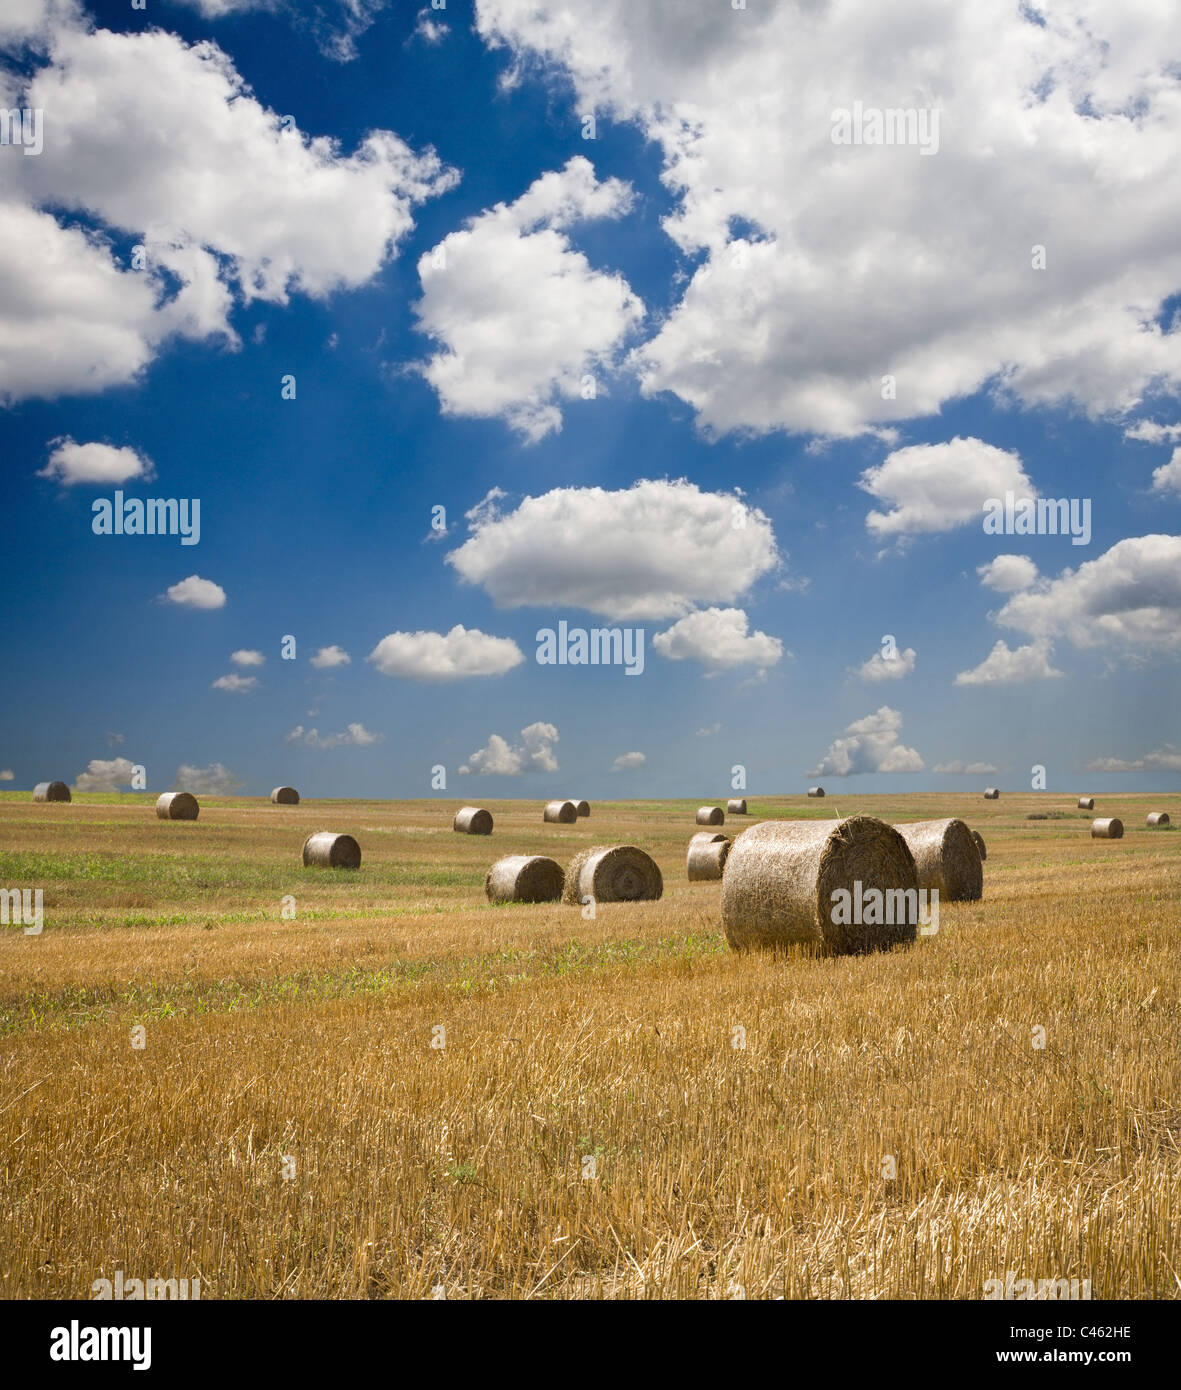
(285, 796)
(707, 857)
(524, 878)
(978, 841)
(327, 850)
(1086, 803)
(710, 815)
(1158, 818)
(560, 812)
(177, 806)
(612, 874)
(945, 857)
(1037, 815)
(1111, 828)
(582, 807)
(780, 878)
(51, 791)
(992, 793)
(472, 820)
(736, 806)
(815, 791)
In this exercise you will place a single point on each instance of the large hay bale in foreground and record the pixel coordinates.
(177, 806)
(946, 858)
(472, 820)
(612, 874)
(780, 878)
(992, 793)
(524, 878)
(815, 791)
(1086, 803)
(1158, 818)
(736, 806)
(285, 796)
(1111, 828)
(51, 791)
(978, 841)
(710, 815)
(707, 857)
(327, 850)
(560, 812)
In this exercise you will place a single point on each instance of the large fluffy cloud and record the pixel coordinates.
(534, 753)
(105, 775)
(869, 745)
(936, 487)
(653, 550)
(719, 638)
(70, 463)
(1011, 666)
(439, 656)
(827, 266)
(1008, 573)
(520, 315)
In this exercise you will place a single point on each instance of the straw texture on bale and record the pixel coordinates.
(1086, 803)
(992, 793)
(736, 806)
(707, 837)
(524, 878)
(780, 877)
(815, 791)
(560, 812)
(582, 807)
(285, 796)
(978, 841)
(177, 806)
(613, 874)
(472, 820)
(51, 791)
(1158, 818)
(710, 815)
(327, 850)
(945, 857)
(1110, 829)
(706, 858)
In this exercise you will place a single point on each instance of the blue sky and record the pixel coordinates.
(737, 294)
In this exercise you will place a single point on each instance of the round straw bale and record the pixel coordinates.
(560, 812)
(992, 793)
(327, 850)
(177, 806)
(285, 796)
(706, 858)
(978, 841)
(51, 791)
(1086, 803)
(1158, 818)
(736, 806)
(472, 820)
(815, 791)
(612, 874)
(707, 837)
(710, 815)
(582, 807)
(945, 857)
(1110, 829)
(780, 878)
(524, 878)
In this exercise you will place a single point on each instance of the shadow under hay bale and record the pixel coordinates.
(992, 793)
(327, 850)
(177, 806)
(51, 791)
(1086, 803)
(285, 796)
(780, 879)
(560, 812)
(710, 815)
(612, 874)
(815, 791)
(946, 858)
(1158, 818)
(1110, 828)
(472, 820)
(736, 806)
(524, 878)
(978, 841)
(706, 857)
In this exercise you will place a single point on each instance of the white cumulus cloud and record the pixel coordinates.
(626, 761)
(534, 753)
(869, 745)
(719, 639)
(195, 592)
(354, 736)
(1008, 573)
(214, 780)
(1167, 478)
(329, 657)
(882, 668)
(235, 683)
(937, 487)
(105, 775)
(1164, 759)
(439, 656)
(70, 463)
(1010, 666)
(247, 656)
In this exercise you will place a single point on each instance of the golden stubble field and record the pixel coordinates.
(592, 1125)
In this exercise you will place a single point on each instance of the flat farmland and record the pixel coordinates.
(405, 1091)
